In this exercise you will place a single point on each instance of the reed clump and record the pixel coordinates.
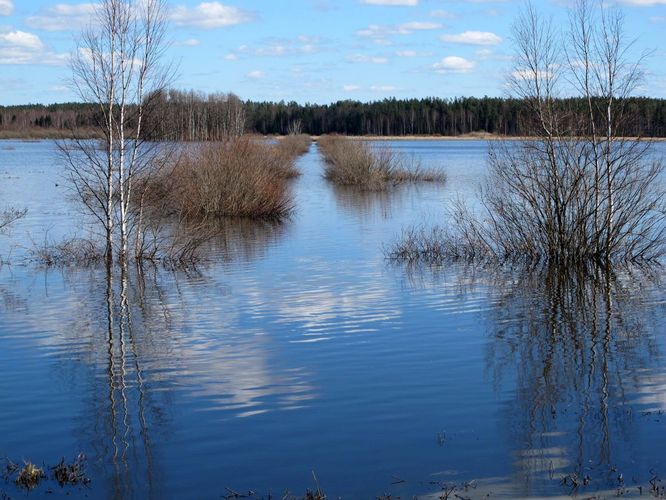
(358, 164)
(29, 476)
(242, 177)
(71, 474)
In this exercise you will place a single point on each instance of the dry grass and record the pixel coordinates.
(29, 476)
(432, 246)
(70, 252)
(358, 164)
(71, 474)
(241, 177)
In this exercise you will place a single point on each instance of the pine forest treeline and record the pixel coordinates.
(191, 116)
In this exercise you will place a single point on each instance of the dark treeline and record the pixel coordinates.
(64, 116)
(433, 116)
(192, 116)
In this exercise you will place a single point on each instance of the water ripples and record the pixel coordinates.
(298, 347)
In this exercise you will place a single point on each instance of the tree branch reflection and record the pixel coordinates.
(573, 340)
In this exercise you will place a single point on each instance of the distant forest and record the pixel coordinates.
(191, 116)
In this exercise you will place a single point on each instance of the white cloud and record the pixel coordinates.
(412, 53)
(191, 42)
(383, 88)
(22, 40)
(6, 7)
(407, 3)
(418, 26)
(277, 47)
(362, 58)
(351, 88)
(382, 31)
(20, 47)
(454, 64)
(256, 75)
(62, 17)
(231, 57)
(527, 74)
(473, 38)
(209, 15)
(443, 14)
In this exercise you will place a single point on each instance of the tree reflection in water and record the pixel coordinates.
(147, 331)
(575, 343)
(128, 403)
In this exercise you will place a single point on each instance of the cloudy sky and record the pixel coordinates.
(311, 50)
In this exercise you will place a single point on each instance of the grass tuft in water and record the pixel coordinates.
(29, 476)
(71, 474)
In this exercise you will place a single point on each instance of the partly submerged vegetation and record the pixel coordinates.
(358, 164)
(185, 199)
(242, 177)
(29, 476)
(10, 215)
(578, 193)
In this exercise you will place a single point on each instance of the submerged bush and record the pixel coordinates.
(356, 163)
(293, 146)
(242, 177)
(579, 192)
(539, 204)
(69, 252)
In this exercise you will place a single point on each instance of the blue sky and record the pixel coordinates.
(311, 50)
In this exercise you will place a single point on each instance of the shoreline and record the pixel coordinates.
(42, 135)
(467, 137)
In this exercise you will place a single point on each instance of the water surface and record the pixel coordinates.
(299, 348)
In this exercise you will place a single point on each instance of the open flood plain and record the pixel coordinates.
(298, 350)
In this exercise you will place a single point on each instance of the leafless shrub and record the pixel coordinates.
(287, 150)
(237, 178)
(435, 246)
(578, 192)
(10, 215)
(70, 252)
(356, 163)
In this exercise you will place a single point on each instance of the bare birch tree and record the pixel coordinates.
(117, 67)
(585, 191)
(591, 192)
(577, 191)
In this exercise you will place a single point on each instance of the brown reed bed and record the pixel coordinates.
(294, 145)
(359, 164)
(242, 177)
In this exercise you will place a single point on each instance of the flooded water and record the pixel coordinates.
(299, 351)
